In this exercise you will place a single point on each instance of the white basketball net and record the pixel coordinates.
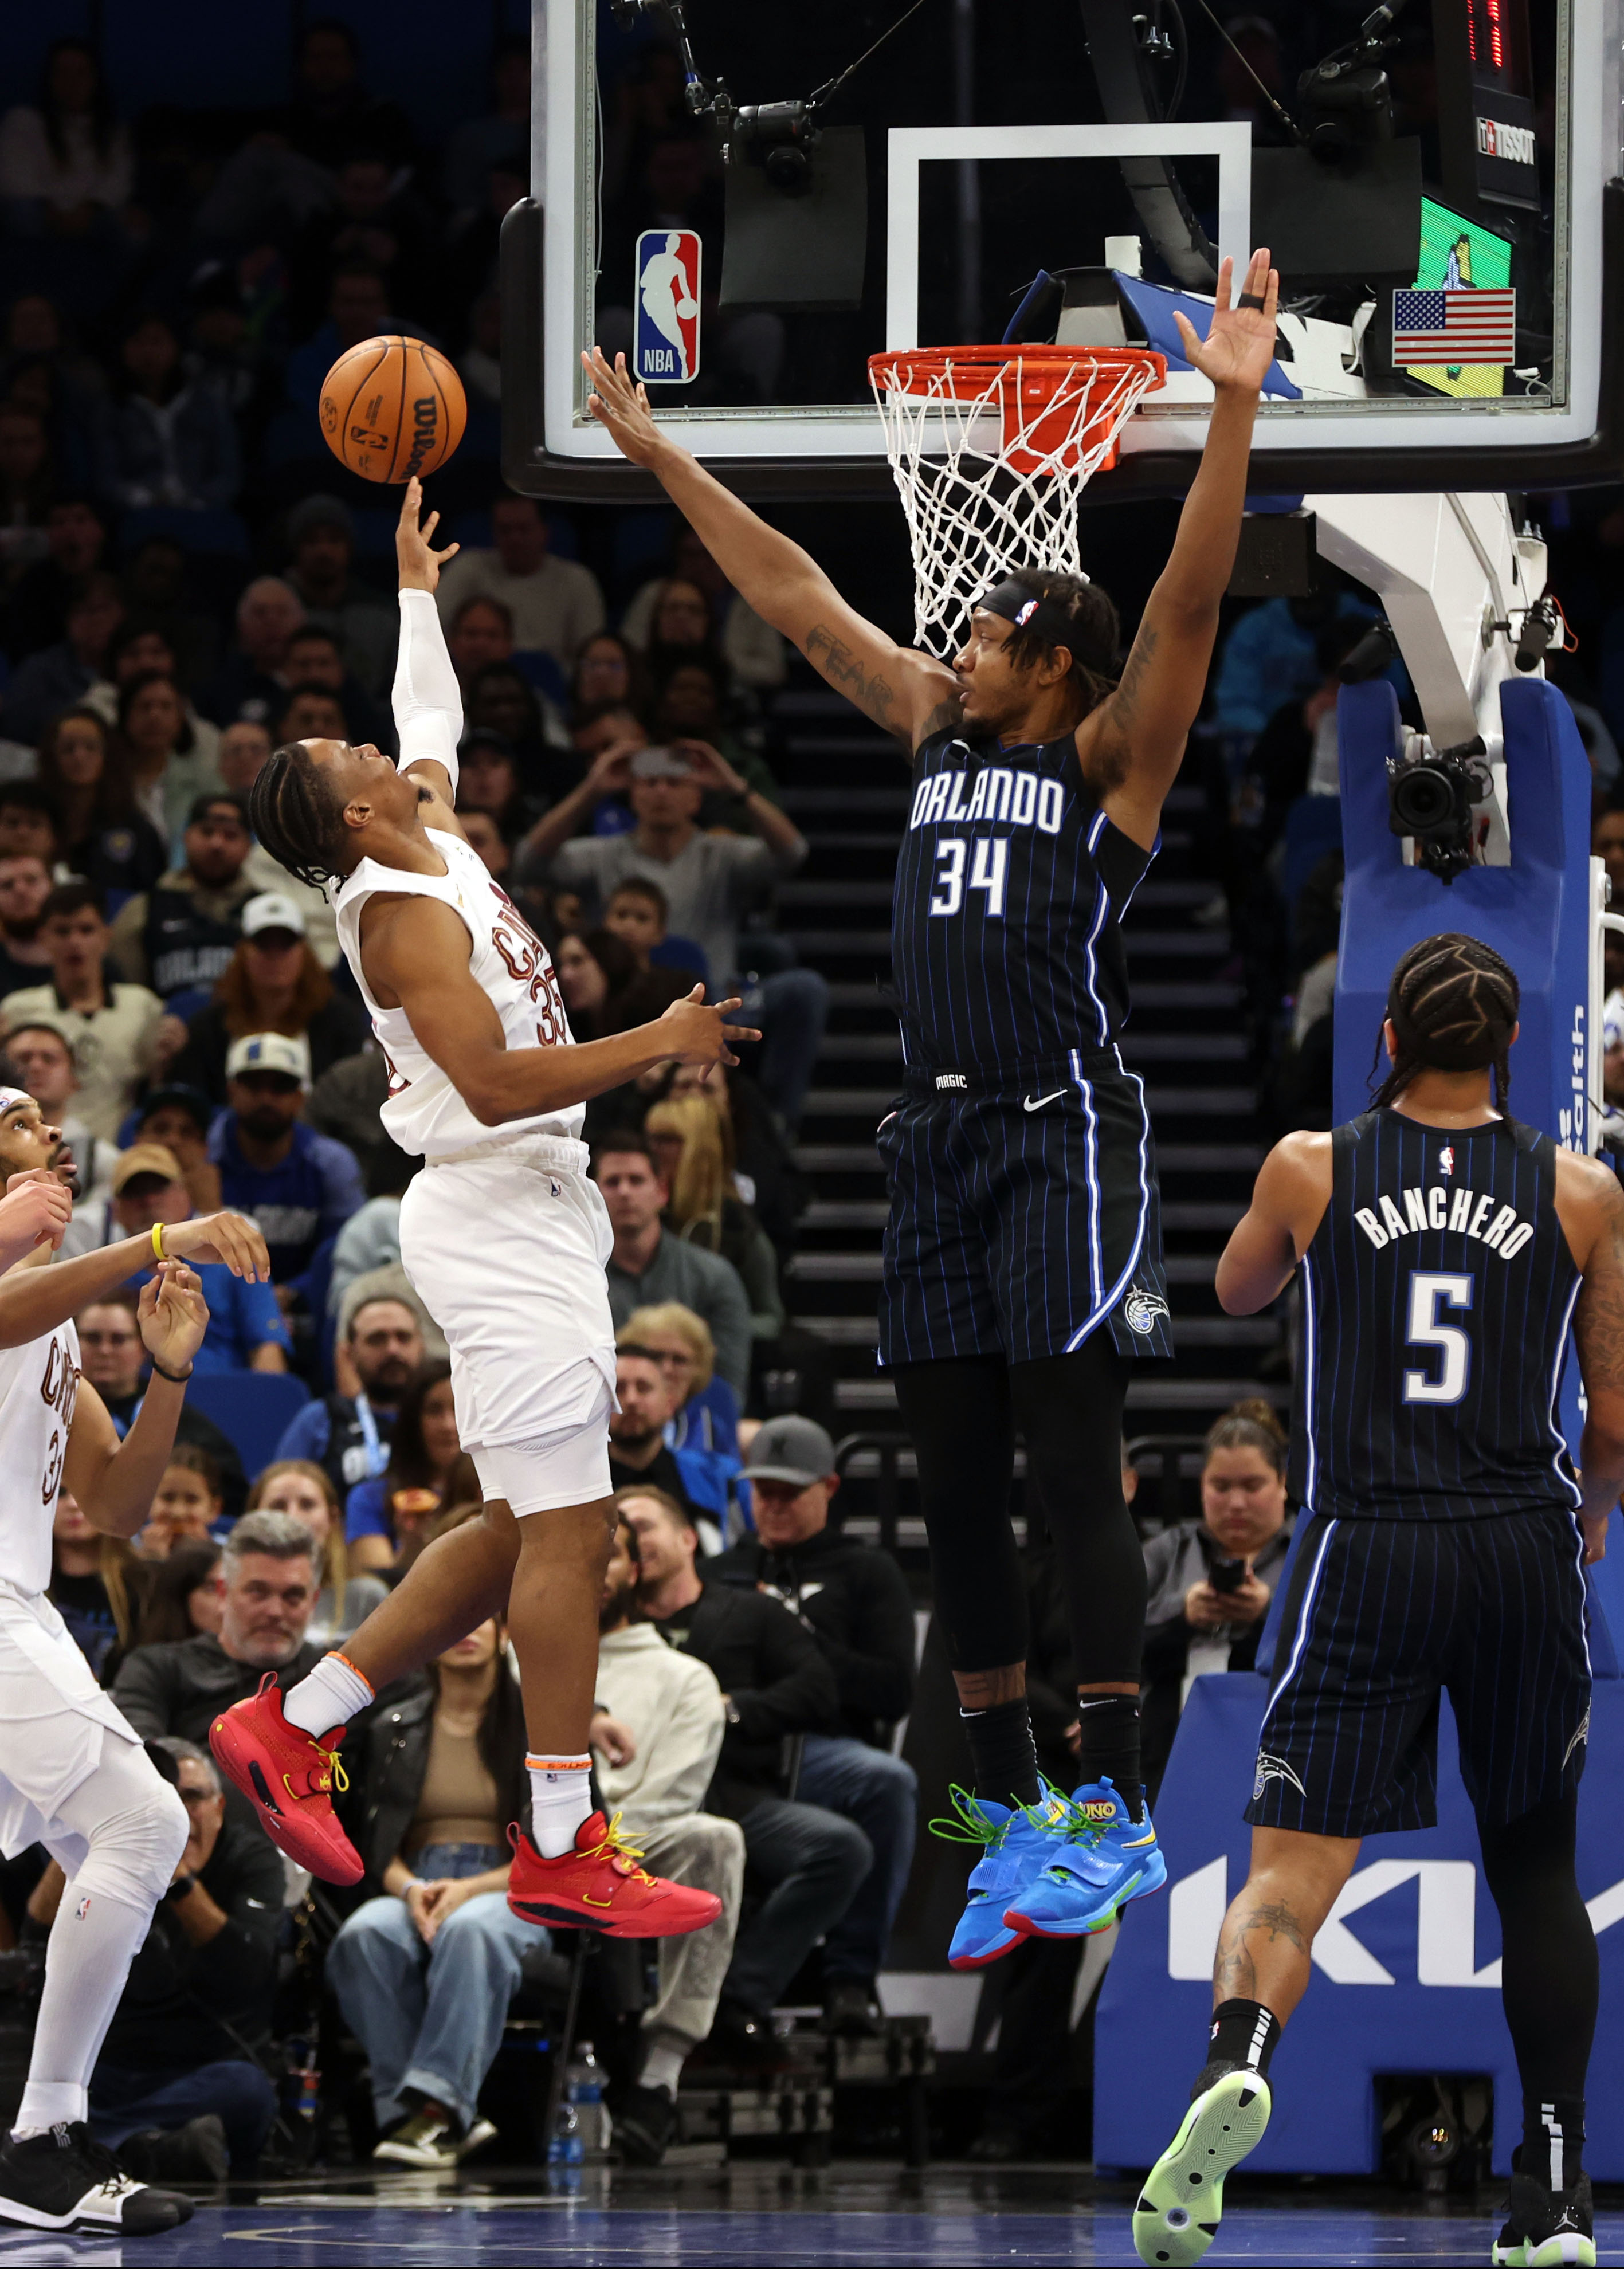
(991, 457)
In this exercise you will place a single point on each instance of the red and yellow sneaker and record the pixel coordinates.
(600, 1886)
(288, 1776)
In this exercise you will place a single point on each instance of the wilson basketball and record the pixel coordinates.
(393, 407)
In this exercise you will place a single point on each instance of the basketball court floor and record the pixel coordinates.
(948, 2215)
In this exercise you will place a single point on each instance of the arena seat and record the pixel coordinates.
(253, 1407)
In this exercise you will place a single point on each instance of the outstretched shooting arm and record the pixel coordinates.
(906, 692)
(1134, 743)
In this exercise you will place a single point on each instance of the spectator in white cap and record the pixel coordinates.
(855, 1602)
(298, 1185)
(273, 983)
(246, 1330)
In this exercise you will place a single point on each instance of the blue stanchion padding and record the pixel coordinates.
(1406, 1974)
(1535, 912)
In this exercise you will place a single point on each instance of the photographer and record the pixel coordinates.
(1211, 1580)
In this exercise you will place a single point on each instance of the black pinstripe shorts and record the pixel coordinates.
(1024, 1215)
(1380, 1617)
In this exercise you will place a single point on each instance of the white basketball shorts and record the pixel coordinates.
(54, 1719)
(506, 1249)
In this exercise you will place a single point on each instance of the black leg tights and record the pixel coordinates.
(963, 1415)
(1550, 1971)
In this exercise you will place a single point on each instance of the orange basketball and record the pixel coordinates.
(393, 407)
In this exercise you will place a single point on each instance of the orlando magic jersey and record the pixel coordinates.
(1437, 1292)
(1005, 942)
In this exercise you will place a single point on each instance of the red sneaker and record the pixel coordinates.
(288, 1777)
(600, 1886)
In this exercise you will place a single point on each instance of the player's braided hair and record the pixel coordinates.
(1095, 632)
(296, 817)
(1453, 1005)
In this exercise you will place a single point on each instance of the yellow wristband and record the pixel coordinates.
(158, 1241)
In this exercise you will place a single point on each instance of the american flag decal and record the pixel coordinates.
(1457, 326)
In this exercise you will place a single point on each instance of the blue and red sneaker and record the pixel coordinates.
(1100, 1859)
(1017, 1841)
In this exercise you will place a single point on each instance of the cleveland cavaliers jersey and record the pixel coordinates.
(423, 1112)
(39, 1387)
(1009, 889)
(1438, 1294)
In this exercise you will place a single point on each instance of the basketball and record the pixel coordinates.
(392, 406)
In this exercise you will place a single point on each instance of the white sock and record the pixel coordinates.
(560, 1801)
(332, 1693)
(663, 2067)
(93, 1941)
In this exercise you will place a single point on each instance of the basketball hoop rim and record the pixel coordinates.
(1042, 365)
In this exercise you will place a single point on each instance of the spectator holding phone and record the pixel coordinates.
(1211, 1580)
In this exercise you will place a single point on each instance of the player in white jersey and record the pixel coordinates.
(74, 1775)
(505, 1240)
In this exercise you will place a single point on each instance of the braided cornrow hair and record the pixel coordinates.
(295, 817)
(1453, 1004)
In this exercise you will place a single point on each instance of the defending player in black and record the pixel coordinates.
(1443, 1251)
(1022, 1259)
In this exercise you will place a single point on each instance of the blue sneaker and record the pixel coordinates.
(1097, 1862)
(1018, 1841)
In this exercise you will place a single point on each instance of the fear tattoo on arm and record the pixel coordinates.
(834, 660)
(1112, 754)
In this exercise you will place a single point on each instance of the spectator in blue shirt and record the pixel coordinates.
(298, 1185)
(349, 1435)
(246, 1328)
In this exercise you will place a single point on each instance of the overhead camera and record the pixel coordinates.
(778, 137)
(1430, 796)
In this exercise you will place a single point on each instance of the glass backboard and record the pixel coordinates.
(1436, 190)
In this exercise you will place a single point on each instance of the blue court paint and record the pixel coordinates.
(427, 2230)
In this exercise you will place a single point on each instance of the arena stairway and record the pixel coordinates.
(848, 792)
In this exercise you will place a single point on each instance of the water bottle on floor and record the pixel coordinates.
(584, 2088)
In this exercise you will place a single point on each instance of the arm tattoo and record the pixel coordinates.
(833, 657)
(1598, 1318)
(945, 713)
(1113, 753)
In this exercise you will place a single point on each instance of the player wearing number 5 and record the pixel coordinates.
(1443, 1251)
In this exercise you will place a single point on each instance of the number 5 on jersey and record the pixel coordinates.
(1428, 1291)
(989, 869)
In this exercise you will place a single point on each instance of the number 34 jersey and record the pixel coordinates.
(1438, 1294)
(423, 1112)
(1010, 885)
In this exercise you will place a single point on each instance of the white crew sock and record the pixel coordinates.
(93, 1941)
(560, 1801)
(332, 1695)
(663, 2067)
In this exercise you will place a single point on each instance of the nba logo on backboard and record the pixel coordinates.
(667, 306)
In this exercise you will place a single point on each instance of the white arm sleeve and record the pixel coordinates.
(427, 699)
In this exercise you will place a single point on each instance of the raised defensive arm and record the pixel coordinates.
(1287, 1203)
(33, 1301)
(1134, 743)
(908, 693)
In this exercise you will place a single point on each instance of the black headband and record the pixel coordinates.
(1052, 622)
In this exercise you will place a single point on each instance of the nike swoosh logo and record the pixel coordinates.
(1140, 1842)
(1037, 1104)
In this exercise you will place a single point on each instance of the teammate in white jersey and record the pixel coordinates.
(74, 1776)
(505, 1240)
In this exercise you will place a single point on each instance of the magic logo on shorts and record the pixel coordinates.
(666, 348)
(1143, 1310)
(1273, 1769)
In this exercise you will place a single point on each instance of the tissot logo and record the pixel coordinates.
(1445, 1928)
